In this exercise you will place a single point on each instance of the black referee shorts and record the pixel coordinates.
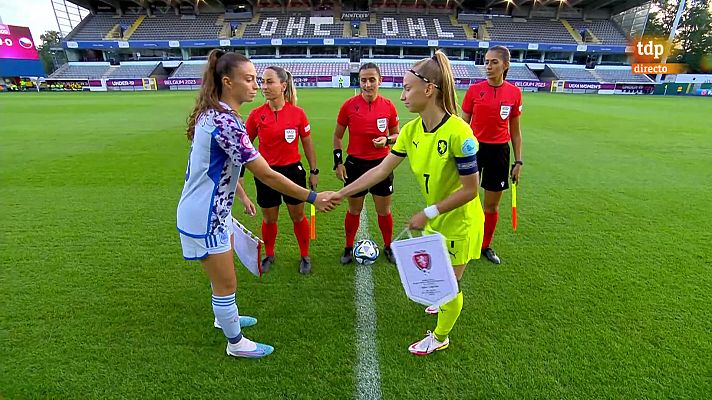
(493, 162)
(355, 167)
(268, 197)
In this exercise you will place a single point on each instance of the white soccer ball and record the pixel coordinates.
(366, 252)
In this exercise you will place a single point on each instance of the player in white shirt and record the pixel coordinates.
(220, 147)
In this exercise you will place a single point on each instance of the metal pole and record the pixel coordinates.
(675, 24)
(59, 28)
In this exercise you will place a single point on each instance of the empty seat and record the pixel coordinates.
(74, 71)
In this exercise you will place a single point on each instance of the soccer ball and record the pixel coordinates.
(366, 252)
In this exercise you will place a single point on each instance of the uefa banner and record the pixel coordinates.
(589, 85)
(180, 83)
(131, 84)
(464, 83)
(425, 269)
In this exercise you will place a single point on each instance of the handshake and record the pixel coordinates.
(328, 201)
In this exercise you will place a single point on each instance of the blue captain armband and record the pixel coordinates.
(312, 197)
(466, 165)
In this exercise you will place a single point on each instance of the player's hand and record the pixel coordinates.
(249, 206)
(418, 221)
(337, 198)
(380, 142)
(341, 173)
(313, 181)
(324, 201)
(516, 170)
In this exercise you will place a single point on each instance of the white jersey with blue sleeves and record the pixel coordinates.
(220, 147)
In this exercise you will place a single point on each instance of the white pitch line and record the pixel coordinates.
(368, 373)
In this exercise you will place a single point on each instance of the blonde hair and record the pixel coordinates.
(438, 70)
(220, 64)
(290, 93)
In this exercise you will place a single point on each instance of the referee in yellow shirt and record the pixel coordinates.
(442, 152)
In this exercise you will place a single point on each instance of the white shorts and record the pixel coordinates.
(199, 248)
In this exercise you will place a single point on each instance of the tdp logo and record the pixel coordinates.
(442, 147)
(651, 49)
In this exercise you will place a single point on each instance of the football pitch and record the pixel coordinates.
(605, 290)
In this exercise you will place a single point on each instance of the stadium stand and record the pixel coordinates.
(573, 74)
(534, 30)
(460, 69)
(96, 27)
(414, 26)
(79, 71)
(189, 71)
(293, 24)
(131, 71)
(607, 32)
(520, 72)
(621, 75)
(177, 27)
(390, 19)
(296, 67)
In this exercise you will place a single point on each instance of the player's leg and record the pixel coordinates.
(491, 209)
(301, 232)
(495, 180)
(447, 317)
(351, 224)
(269, 201)
(382, 201)
(353, 215)
(461, 249)
(221, 272)
(298, 175)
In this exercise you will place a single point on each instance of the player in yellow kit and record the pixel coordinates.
(442, 152)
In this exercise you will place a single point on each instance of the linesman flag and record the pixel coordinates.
(514, 206)
(312, 220)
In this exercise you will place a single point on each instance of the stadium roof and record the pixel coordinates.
(614, 6)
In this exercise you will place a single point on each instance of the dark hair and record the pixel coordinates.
(290, 93)
(437, 70)
(370, 65)
(220, 64)
(504, 55)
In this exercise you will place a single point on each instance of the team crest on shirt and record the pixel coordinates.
(504, 111)
(382, 124)
(421, 259)
(290, 135)
(442, 147)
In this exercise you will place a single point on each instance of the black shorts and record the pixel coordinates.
(268, 197)
(493, 162)
(355, 167)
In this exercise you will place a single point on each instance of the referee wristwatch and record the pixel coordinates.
(314, 171)
(520, 162)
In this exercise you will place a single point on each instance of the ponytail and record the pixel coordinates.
(447, 85)
(290, 92)
(220, 64)
(438, 70)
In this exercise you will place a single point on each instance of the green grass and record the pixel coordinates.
(605, 290)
